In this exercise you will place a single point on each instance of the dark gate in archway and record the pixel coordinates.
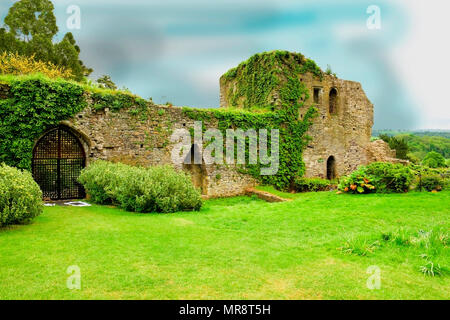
(331, 168)
(58, 159)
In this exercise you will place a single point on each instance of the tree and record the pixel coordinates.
(398, 144)
(30, 29)
(67, 54)
(28, 18)
(106, 82)
(434, 160)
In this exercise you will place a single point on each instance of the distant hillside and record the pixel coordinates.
(421, 133)
(422, 142)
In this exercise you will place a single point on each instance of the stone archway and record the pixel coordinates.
(197, 170)
(331, 168)
(58, 158)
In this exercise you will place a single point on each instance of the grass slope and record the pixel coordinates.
(239, 248)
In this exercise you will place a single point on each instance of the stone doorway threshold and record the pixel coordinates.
(66, 203)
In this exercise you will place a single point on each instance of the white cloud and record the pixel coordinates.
(423, 60)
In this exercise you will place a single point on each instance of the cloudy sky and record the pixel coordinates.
(176, 50)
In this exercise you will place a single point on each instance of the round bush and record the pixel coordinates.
(20, 196)
(434, 160)
(99, 178)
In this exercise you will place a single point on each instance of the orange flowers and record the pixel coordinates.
(353, 187)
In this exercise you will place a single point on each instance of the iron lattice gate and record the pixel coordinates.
(58, 159)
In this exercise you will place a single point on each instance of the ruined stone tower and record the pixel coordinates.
(340, 134)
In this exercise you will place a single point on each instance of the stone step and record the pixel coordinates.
(266, 196)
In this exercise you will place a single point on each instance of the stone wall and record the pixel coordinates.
(144, 139)
(379, 151)
(343, 133)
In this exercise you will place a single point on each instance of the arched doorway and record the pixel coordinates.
(197, 171)
(333, 101)
(58, 159)
(331, 168)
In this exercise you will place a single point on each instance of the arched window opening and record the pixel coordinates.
(316, 95)
(197, 170)
(333, 101)
(58, 159)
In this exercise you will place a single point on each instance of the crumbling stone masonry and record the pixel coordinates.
(341, 134)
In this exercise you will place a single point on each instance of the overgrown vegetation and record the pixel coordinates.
(35, 105)
(255, 80)
(20, 196)
(138, 189)
(106, 83)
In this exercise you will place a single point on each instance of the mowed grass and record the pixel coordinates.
(238, 248)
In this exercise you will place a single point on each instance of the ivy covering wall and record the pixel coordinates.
(266, 77)
(35, 104)
(252, 85)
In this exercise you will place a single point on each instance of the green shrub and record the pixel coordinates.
(434, 160)
(311, 185)
(137, 189)
(432, 182)
(390, 177)
(99, 178)
(20, 196)
(357, 182)
(430, 178)
(378, 177)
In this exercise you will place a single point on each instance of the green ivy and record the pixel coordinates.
(257, 78)
(117, 101)
(34, 106)
(254, 81)
(293, 137)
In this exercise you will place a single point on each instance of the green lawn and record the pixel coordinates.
(239, 248)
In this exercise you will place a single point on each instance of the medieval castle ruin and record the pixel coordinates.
(340, 134)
